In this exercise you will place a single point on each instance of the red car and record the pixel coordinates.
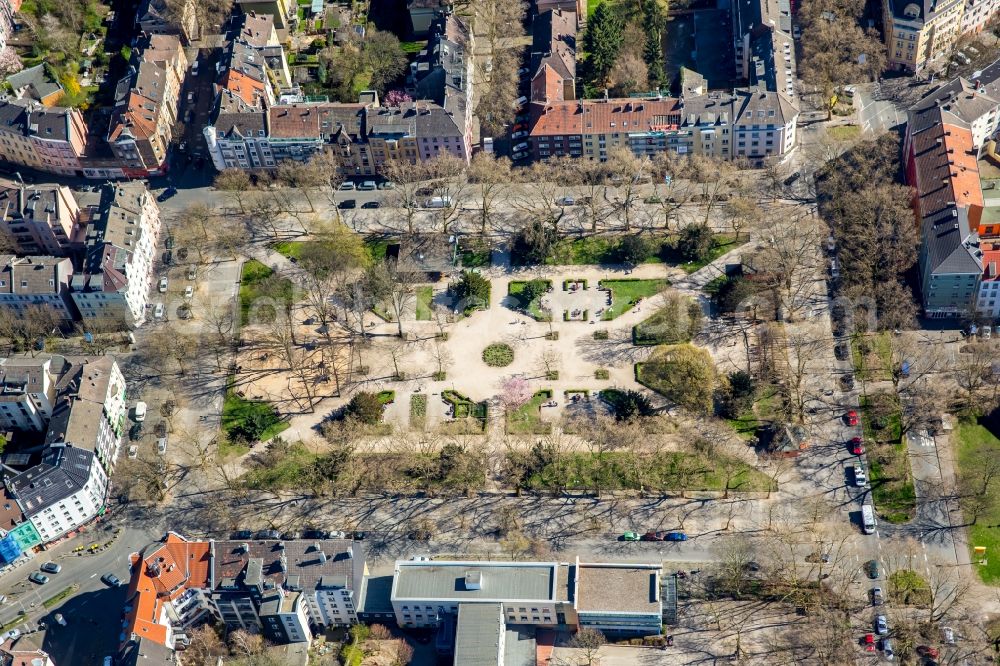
(869, 642)
(857, 448)
(852, 418)
(927, 651)
(653, 536)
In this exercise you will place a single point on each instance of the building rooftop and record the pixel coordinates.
(256, 29)
(959, 101)
(35, 82)
(618, 588)
(475, 581)
(480, 634)
(63, 471)
(37, 275)
(33, 119)
(296, 565)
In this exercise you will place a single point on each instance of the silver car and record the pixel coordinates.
(881, 625)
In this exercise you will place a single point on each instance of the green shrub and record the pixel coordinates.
(602, 373)
(366, 407)
(600, 335)
(498, 355)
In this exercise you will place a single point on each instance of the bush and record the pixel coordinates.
(472, 290)
(365, 407)
(627, 404)
(684, 374)
(633, 249)
(602, 373)
(733, 291)
(695, 242)
(498, 355)
(600, 335)
(532, 244)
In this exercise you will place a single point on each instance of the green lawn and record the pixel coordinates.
(721, 244)
(672, 471)
(236, 410)
(412, 47)
(288, 472)
(844, 132)
(872, 356)
(290, 249)
(252, 279)
(970, 436)
(469, 417)
(475, 253)
(765, 411)
(600, 249)
(592, 6)
(888, 465)
(425, 296)
(527, 419)
(377, 247)
(626, 293)
(516, 289)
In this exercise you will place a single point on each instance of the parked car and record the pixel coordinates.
(877, 596)
(928, 651)
(868, 640)
(871, 568)
(194, 68)
(135, 432)
(39, 578)
(387, 185)
(168, 257)
(60, 620)
(856, 446)
(948, 634)
(268, 534)
(190, 98)
(653, 536)
(520, 147)
(140, 411)
(840, 351)
(243, 534)
(51, 567)
(887, 649)
(367, 185)
(371, 204)
(11, 635)
(111, 580)
(630, 536)
(565, 201)
(847, 381)
(348, 203)
(158, 311)
(133, 451)
(851, 417)
(860, 476)
(162, 286)
(167, 193)
(676, 536)
(519, 134)
(188, 291)
(347, 185)
(881, 625)
(520, 155)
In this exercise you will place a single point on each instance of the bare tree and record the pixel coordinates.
(408, 179)
(489, 178)
(589, 642)
(633, 171)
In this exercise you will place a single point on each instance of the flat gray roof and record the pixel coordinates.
(614, 588)
(480, 634)
(499, 580)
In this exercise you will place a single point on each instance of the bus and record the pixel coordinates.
(868, 519)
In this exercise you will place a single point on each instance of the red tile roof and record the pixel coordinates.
(604, 116)
(247, 88)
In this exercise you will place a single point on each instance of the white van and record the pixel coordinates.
(437, 202)
(868, 519)
(140, 412)
(521, 101)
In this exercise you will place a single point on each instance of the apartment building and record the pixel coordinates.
(442, 74)
(50, 139)
(28, 391)
(414, 131)
(145, 111)
(552, 65)
(91, 410)
(65, 490)
(37, 83)
(41, 219)
(283, 589)
(918, 32)
(974, 104)
(16, 657)
(257, 31)
(155, 18)
(37, 281)
(114, 281)
(616, 598)
(246, 75)
(977, 14)
(751, 124)
(763, 45)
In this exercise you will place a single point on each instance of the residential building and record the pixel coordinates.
(50, 139)
(749, 123)
(918, 32)
(63, 492)
(763, 44)
(91, 410)
(442, 73)
(423, 14)
(139, 651)
(37, 83)
(615, 598)
(11, 656)
(155, 18)
(283, 11)
(414, 131)
(552, 66)
(37, 281)
(974, 104)
(977, 14)
(41, 219)
(115, 278)
(145, 111)
(28, 392)
(257, 31)
(246, 75)
(237, 136)
(283, 589)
